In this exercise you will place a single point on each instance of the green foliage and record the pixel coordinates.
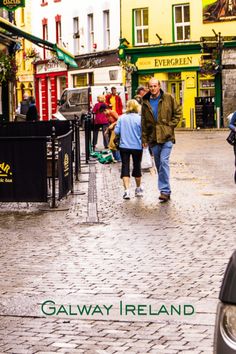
(8, 67)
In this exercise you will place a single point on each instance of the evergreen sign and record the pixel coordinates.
(12, 5)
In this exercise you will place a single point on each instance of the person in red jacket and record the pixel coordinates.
(101, 121)
(114, 102)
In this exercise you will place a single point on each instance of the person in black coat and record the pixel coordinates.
(32, 113)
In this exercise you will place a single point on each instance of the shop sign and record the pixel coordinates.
(168, 62)
(50, 67)
(12, 5)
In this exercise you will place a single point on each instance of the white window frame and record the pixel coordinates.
(142, 27)
(90, 32)
(107, 37)
(182, 24)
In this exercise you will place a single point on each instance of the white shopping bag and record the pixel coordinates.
(146, 159)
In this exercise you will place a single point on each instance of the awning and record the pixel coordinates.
(62, 54)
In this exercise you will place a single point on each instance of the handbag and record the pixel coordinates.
(146, 159)
(231, 139)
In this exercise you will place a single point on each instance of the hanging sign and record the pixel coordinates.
(12, 5)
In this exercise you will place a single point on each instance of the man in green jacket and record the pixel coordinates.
(160, 115)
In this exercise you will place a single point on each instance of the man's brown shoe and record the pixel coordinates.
(164, 197)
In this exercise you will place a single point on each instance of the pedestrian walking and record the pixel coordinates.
(128, 128)
(23, 105)
(232, 127)
(160, 115)
(32, 113)
(140, 92)
(114, 102)
(100, 121)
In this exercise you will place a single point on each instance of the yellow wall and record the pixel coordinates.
(25, 67)
(160, 20)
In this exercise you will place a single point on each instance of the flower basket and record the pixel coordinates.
(8, 67)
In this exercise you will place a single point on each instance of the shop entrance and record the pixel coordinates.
(175, 88)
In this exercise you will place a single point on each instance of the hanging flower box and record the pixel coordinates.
(8, 67)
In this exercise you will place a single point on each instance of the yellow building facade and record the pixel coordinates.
(180, 43)
(25, 55)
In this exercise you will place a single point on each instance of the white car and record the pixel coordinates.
(225, 328)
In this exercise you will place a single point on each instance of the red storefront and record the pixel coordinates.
(50, 81)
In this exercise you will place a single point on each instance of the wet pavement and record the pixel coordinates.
(140, 267)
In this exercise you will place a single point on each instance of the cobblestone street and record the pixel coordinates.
(103, 250)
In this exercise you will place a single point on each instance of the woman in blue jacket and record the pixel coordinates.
(232, 126)
(128, 127)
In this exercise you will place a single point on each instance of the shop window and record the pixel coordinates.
(206, 86)
(143, 80)
(141, 26)
(181, 23)
(80, 80)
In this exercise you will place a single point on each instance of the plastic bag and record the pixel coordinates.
(146, 159)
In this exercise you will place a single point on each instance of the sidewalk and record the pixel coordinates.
(106, 252)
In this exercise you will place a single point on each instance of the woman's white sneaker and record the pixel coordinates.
(139, 192)
(126, 194)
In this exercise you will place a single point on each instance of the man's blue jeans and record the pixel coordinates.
(161, 153)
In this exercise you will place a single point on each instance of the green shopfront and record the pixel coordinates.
(181, 71)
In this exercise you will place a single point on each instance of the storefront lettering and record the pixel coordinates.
(160, 63)
(12, 4)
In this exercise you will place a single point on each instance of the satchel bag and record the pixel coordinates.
(116, 141)
(231, 139)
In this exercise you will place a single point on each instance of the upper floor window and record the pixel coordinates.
(182, 23)
(106, 18)
(90, 32)
(45, 34)
(76, 34)
(141, 26)
(58, 29)
(44, 2)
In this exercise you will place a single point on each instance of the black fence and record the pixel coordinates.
(37, 159)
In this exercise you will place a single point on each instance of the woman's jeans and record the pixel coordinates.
(161, 153)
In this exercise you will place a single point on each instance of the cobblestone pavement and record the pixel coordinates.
(103, 252)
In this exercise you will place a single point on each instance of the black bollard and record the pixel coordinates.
(53, 138)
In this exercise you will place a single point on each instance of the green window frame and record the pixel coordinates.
(181, 21)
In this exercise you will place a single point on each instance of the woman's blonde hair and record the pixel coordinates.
(133, 106)
(101, 98)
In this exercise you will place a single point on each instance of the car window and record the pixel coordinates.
(84, 97)
(63, 97)
(74, 98)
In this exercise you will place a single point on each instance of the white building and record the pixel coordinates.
(88, 29)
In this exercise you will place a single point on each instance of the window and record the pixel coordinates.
(141, 26)
(58, 29)
(106, 18)
(44, 3)
(80, 80)
(76, 34)
(90, 32)
(182, 23)
(45, 34)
